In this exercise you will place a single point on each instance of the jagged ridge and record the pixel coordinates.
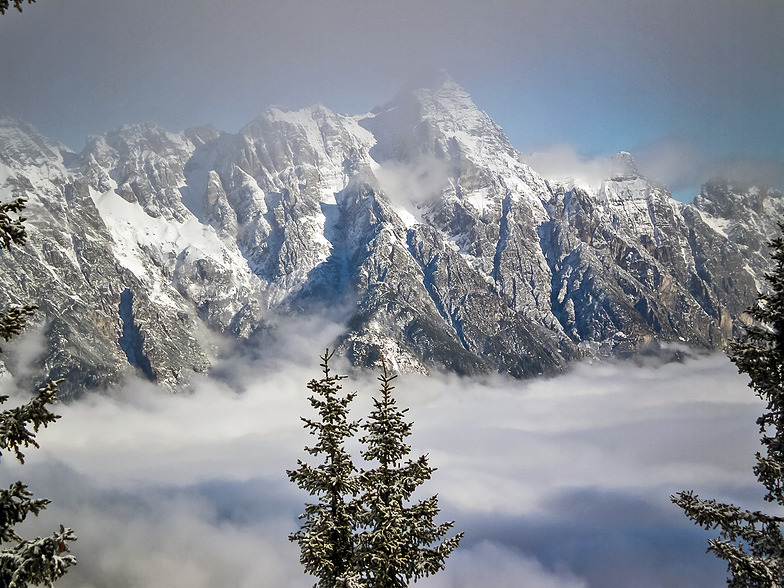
(419, 220)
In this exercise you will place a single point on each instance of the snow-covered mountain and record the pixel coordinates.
(418, 221)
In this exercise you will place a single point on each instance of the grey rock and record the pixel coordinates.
(416, 225)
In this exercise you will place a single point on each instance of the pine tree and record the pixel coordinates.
(398, 543)
(326, 538)
(752, 542)
(39, 561)
(379, 540)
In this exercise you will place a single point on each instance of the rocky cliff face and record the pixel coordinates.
(419, 221)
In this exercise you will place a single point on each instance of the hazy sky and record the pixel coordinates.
(685, 85)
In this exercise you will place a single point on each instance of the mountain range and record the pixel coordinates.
(417, 227)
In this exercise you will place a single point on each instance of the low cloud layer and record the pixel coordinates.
(562, 482)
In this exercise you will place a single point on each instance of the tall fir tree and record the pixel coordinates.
(399, 542)
(38, 561)
(752, 542)
(326, 538)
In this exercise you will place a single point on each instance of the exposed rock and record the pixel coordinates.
(418, 220)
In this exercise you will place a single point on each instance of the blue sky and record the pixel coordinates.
(699, 83)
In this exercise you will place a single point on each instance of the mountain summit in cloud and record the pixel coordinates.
(416, 229)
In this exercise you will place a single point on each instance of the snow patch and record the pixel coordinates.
(134, 230)
(720, 225)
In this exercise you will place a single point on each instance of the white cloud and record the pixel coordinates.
(677, 163)
(164, 541)
(22, 353)
(683, 166)
(562, 163)
(547, 477)
(489, 564)
(412, 184)
(745, 172)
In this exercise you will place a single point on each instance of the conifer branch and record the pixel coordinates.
(751, 542)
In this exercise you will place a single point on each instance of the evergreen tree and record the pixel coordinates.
(17, 4)
(326, 538)
(398, 543)
(752, 542)
(39, 561)
(378, 540)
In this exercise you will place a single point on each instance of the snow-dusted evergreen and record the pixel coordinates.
(752, 543)
(326, 538)
(399, 541)
(39, 561)
(365, 530)
(418, 220)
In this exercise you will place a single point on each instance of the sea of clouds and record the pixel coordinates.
(560, 482)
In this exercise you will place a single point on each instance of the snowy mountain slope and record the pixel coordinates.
(417, 224)
(118, 289)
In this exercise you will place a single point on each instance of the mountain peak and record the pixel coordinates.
(447, 91)
(434, 115)
(21, 142)
(433, 80)
(435, 86)
(623, 166)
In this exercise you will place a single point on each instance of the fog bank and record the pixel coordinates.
(560, 482)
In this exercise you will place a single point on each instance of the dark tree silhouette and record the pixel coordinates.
(752, 542)
(326, 538)
(363, 531)
(400, 542)
(40, 560)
